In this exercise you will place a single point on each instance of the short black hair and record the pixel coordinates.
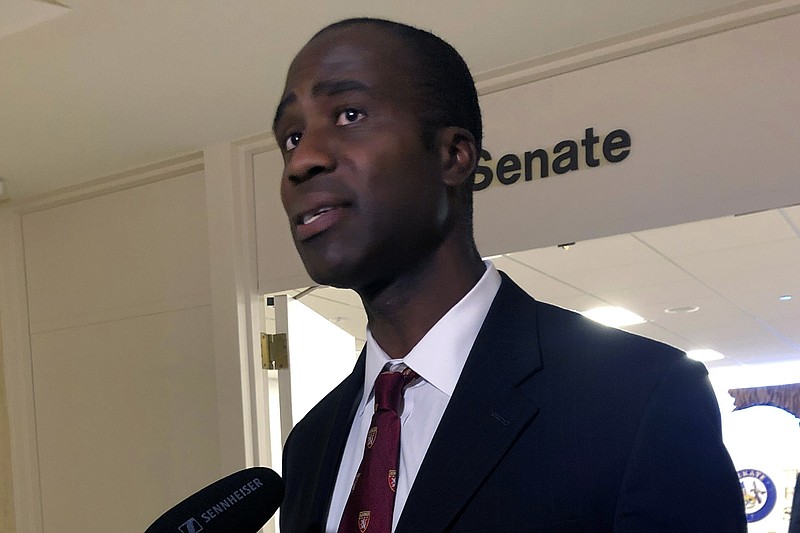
(446, 89)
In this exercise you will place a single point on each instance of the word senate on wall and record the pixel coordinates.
(565, 156)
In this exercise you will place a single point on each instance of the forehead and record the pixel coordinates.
(362, 51)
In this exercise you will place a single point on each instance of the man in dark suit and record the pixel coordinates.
(525, 417)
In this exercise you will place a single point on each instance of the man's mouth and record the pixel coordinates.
(314, 222)
(311, 217)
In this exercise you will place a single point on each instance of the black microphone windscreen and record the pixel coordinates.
(241, 502)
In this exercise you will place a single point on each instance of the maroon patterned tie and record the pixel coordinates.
(371, 501)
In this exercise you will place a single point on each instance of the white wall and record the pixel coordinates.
(123, 368)
(713, 122)
(7, 524)
(130, 340)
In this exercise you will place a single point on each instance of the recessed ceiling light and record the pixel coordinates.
(704, 355)
(785, 297)
(684, 309)
(615, 317)
(566, 245)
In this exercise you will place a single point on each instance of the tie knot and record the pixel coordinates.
(389, 388)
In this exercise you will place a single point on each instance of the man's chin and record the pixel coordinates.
(332, 275)
(344, 269)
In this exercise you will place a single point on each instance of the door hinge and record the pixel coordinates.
(274, 351)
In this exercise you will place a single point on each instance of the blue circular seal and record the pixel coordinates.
(758, 492)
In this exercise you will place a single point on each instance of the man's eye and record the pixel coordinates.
(348, 116)
(292, 141)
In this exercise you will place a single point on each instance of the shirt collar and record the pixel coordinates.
(441, 354)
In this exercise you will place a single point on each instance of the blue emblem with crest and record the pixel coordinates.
(758, 492)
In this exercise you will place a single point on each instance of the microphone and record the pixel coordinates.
(241, 502)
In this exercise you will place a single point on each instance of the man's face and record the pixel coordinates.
(364, 197)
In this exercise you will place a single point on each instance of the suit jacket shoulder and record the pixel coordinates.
(556, 424)
(560, 424)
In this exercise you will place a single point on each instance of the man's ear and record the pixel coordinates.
(459, 155)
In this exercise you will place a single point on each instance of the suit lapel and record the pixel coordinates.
(485, 415)
(337, 438)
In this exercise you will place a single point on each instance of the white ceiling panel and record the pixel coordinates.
(604, 282)
(771, 281)
(755, 351)
(579, 303)
(607, 252)
(792, 215)
(789, 328)
(731, 331)
(718, 234)
(767, 306)
(18, 15)
(767, 255)
(654, 331)
(663, 296)
(711, 312)
(546, 287)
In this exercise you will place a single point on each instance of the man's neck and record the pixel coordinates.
(403, 311)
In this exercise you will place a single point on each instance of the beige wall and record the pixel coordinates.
(123, 371)
(6, 492)
(122, 365)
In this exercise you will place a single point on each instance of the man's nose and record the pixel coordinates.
(313, 155)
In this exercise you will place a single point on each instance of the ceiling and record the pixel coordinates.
(89, 88)
(733, 269)
(102, 86)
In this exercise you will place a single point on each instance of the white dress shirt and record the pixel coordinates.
(438, 358)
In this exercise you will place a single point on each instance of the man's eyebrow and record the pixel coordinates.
(284, 103)
(334, 87)
(322, 88)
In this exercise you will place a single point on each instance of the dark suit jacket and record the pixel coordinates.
(557, 424)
